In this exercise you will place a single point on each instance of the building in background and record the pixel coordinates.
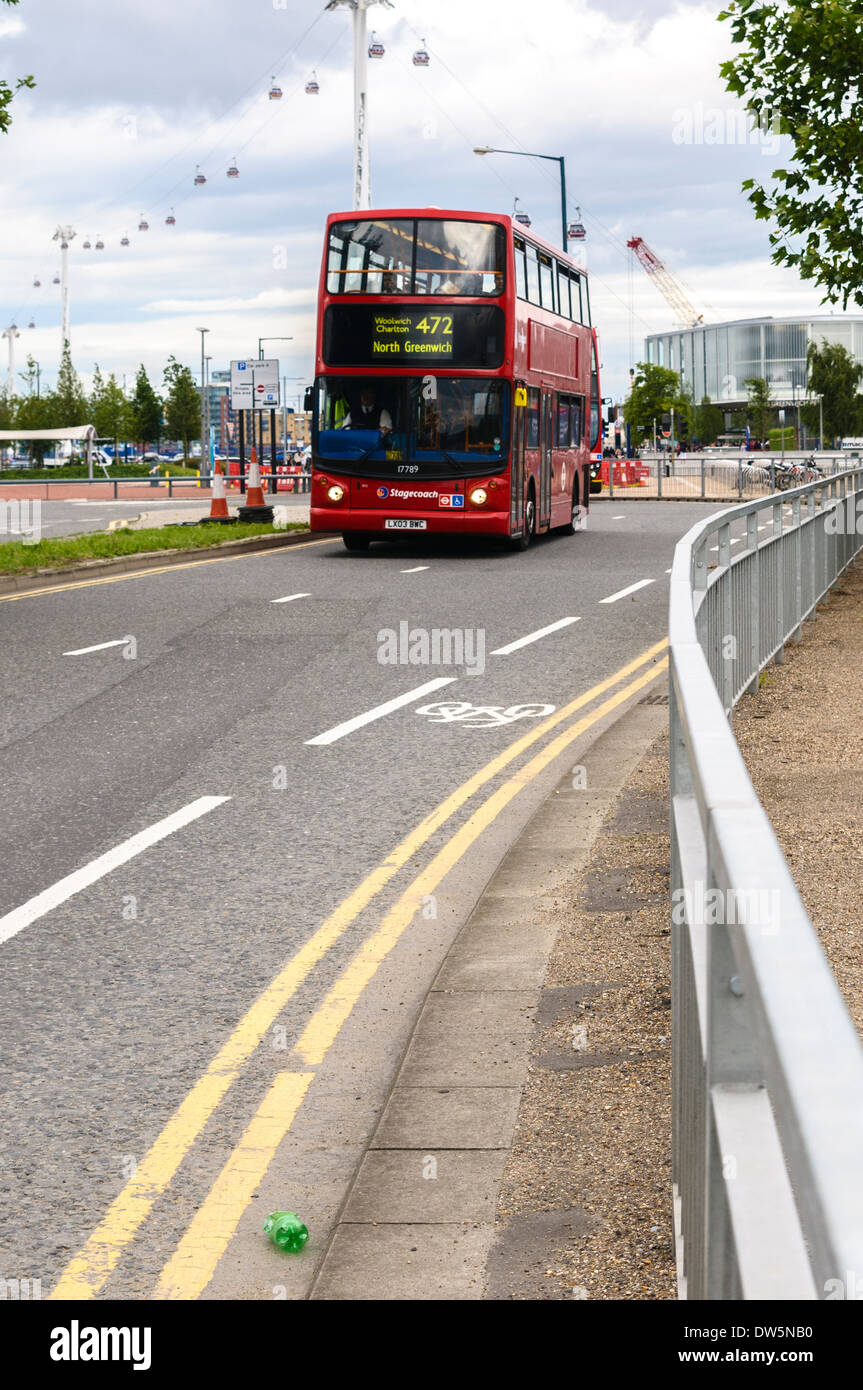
(715, 359)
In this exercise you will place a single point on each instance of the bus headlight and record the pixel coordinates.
(336, 493)
(479, 496)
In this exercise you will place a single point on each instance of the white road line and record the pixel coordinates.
(380, 710)
(416, 569)
(630, 589)
(73, 883)
(100, 647)
(533, 636)
(289, 598)
(668, 571)
(619, 518)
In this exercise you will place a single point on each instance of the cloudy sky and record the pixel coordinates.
(133, 95)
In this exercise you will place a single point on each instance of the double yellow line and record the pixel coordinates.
(191, 1267)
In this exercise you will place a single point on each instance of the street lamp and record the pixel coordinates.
(205, 423)
(557, 159)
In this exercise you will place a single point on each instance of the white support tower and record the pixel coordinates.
(11, 333)
(64, 235)
(362, 180)
(670, 289)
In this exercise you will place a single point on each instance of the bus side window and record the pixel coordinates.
(532, 277)
(563, 291)
(533, 418)
(520, 271)
(575, 291)
(563, 422)
(577, 421)
(546, 280)
(585, 303)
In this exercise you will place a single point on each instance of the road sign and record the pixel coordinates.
(255, 383)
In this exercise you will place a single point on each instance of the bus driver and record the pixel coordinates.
(368, 415)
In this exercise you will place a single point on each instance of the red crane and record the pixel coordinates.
(669, 288)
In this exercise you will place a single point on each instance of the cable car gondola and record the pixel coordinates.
(100, 245)
(64, 246)
(56, 280)
(87, 244)
(31, 324)
(199, 177)
(575, 231)
(523, 219)
(143, 225)
(124, 241)
(170, 220)
(376, 48)
(421, 58)
(312, 86)
(36, 284)
(233, 171)
(275, 91)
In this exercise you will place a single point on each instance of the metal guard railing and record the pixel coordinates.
(768, 1068)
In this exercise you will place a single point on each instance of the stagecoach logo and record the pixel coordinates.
(407, 493)
(383, 492)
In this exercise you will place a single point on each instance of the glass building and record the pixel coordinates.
(716, 359)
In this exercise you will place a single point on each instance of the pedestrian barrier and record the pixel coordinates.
(711, 477)
(132, 489)
(767, 1066)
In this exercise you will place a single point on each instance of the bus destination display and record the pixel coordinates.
(370, 335)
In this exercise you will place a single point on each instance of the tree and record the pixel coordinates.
(7, 92)
(36, 413)
(112, 414)
(759, 409)
(70, 402)
(146, 410)
(655, 390)
(709, 421)
(182, 405)
(798, 70)
(834, 375)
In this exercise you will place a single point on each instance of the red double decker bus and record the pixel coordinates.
(457, 383)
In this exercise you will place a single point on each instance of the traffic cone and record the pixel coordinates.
(219, 505)
(255, 508)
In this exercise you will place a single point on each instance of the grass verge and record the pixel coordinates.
(17, 558)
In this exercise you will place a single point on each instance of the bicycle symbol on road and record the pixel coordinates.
(481, 716)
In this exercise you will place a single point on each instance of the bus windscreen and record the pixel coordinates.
(389, 426)
(363, 335)
(416, 256)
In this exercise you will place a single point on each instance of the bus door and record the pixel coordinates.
(546, 443)
(516, 481)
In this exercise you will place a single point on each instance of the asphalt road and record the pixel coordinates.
(115, 998)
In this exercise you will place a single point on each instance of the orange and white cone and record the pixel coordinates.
(254, 491)
(219, 505)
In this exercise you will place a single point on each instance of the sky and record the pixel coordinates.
(133, 96)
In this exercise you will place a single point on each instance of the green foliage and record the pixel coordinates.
(798, 70)
(7, 91)
(655, 390)
(182, 404)
(759, 412)
(709, 422)
(111, 412)
(146, 410)
(776, 440)
(834, 375)
(70, 402)
(62, 551)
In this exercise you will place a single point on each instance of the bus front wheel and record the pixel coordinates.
(355, 540)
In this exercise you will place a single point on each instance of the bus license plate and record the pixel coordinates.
(404, 523)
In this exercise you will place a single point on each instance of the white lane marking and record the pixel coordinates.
(416, 569)
(619, 518)
(668, 571)
(630, 589)
(534, 636)
(289, 598)
(100, 647)
(380, 710)
(73, 883)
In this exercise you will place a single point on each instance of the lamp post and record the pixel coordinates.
(557, 159)
(205, 421)
(362, 181)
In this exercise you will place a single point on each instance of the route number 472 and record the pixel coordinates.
(430, 323)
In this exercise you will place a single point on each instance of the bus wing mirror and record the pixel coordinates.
(309, 398)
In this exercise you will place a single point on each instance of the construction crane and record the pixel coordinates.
(669, 288)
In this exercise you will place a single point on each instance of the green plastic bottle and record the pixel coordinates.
(286, 1230)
